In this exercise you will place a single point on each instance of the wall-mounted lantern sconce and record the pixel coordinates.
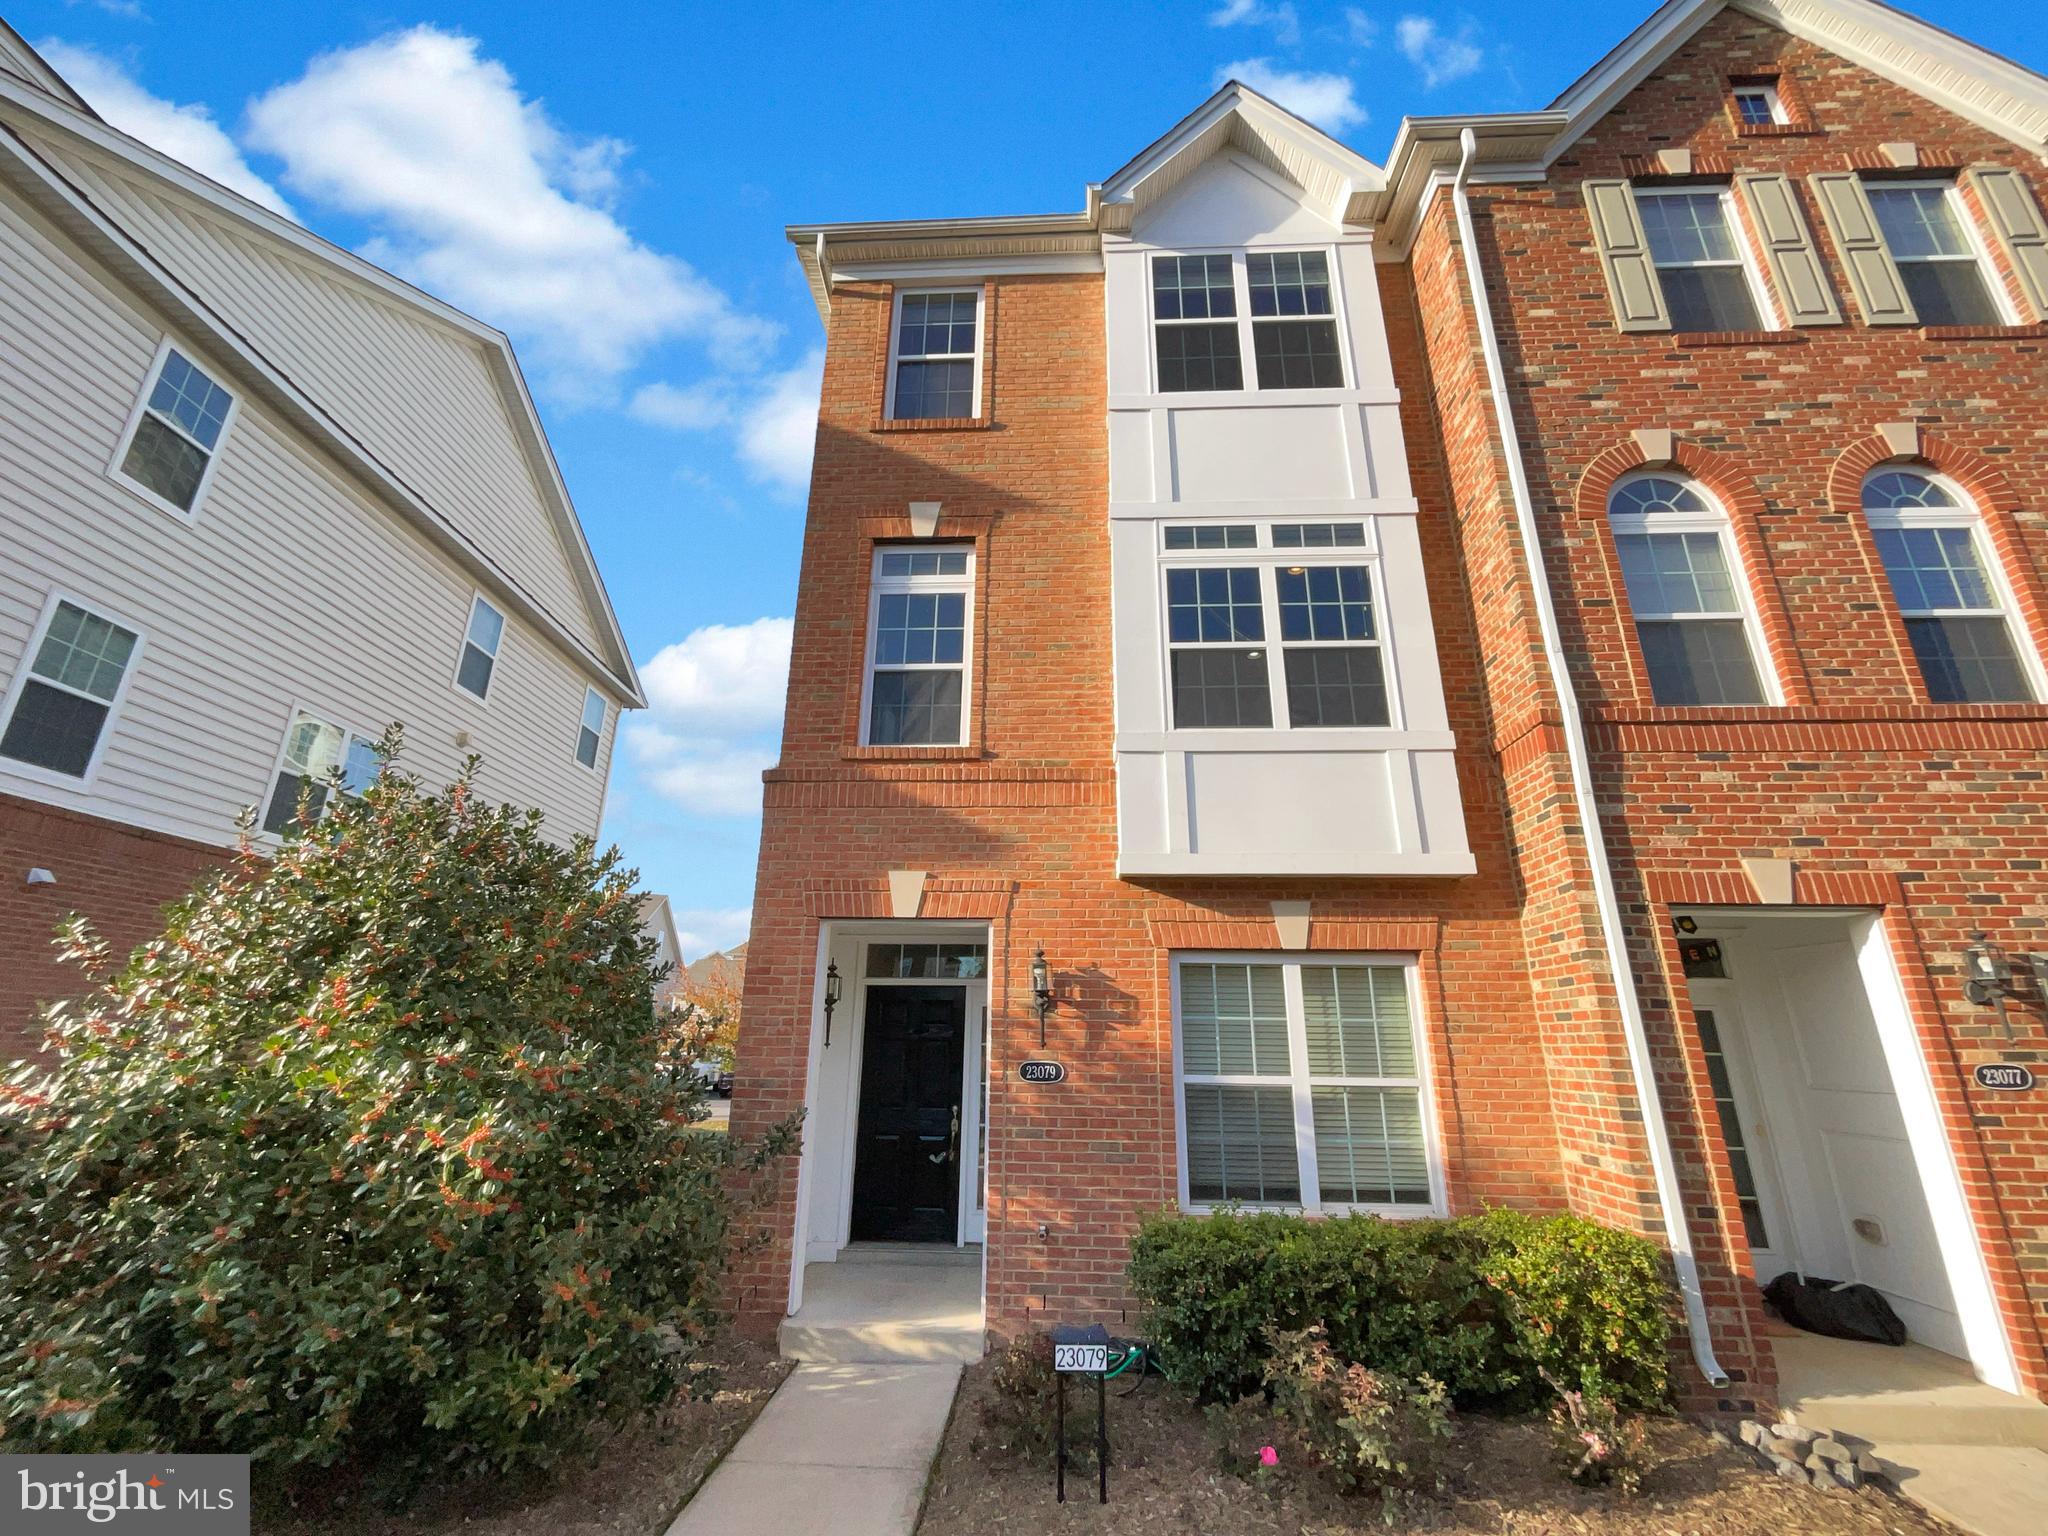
(1988, 976)
(1041, 990)
(831, 998)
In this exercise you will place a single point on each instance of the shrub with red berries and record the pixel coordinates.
(376, 1150)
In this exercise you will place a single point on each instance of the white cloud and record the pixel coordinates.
(701, 930)
(1361, 28)
(1439, 57)
(774, 422)
(187, 133)
(1285, 24)
(714, 708)
(722, 674)
(479, 196)
(1323, 99)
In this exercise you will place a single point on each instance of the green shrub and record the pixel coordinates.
(372, 1152)
(1472, 1302)
(1375, 1431)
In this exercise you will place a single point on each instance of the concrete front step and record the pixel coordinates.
(1909, 1395)
(875, 1311)
(911, 1255)
(879, 1343)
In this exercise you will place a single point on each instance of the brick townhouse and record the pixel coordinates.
(1512, 677)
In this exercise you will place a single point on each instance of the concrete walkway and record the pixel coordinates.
(840, 1449)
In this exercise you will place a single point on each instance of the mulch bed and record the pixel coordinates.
(1165, 1477)
(632, 1486)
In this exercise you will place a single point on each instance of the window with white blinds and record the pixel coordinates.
(1302, 1085)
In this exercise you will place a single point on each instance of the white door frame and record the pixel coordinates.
(1723, 998)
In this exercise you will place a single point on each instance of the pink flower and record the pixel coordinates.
(1268, 1457)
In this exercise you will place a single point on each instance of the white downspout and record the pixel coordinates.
(1611, 929)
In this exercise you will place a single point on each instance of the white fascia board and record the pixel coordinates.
(57, 198)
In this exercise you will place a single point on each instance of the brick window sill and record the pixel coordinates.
(1985, 332)
(964, 754)
(1776, 130)
(1736, 339)
(935, 424)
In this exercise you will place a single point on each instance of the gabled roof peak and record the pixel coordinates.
(1334, 179)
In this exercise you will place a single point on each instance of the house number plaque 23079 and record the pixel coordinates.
(1042, 1072)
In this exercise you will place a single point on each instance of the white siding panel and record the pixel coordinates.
(291, 586)
(417, 394)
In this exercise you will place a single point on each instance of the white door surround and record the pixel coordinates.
(1851, 1160)
(832, 1085)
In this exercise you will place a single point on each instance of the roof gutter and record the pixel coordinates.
(1576, 752)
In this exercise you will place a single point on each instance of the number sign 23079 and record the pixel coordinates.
(1081, 1359)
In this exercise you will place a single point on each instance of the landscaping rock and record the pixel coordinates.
(1799, 1432)
(1752, 1432)
(1827, 1448)
(1786, 1467)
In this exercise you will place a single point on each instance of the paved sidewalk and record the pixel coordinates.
(840, 1449)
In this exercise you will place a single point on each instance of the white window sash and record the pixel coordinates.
(1270, 562)
(1978, 254)
(492, 651)
(1774, 104)
(25, 673)
(590, 697)
(1745, 256)
(350, 738)
(880, 586)
(1716, 522)
(141, 409)
(980, 296)
(1301, 1083)
(1240, 280)
(1965, 515)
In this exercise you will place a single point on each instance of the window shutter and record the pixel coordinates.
(2016, 221)
(1880, 293)
(1788, 247)
(1625, 256)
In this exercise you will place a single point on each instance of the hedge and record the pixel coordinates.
(1485, 1304)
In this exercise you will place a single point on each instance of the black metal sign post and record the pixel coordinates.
(1082, 1352)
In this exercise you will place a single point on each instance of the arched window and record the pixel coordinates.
(1699, 637)
(1956, 611)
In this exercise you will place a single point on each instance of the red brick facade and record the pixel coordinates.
(1933, 814)
(119, 877)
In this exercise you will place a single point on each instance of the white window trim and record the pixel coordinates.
(463, 642)
(1767, 314)
(1973, 237)
(878, 585)
(327, 717)
(1299, 1079)
(980, 294)
(1967, 515)
(1773, 101)
(33, 772)
(135, 414)
(1714, 520)
(1241, 286)
(583, 724)
(1271, 562)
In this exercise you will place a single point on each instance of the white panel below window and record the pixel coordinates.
(1261, 453)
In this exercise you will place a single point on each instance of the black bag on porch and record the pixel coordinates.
(1839, 1309)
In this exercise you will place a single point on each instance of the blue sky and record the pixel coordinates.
(613, 196)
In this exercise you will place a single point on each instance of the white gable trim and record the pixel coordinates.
(93, 136)
(58, 199)
(1974, 83)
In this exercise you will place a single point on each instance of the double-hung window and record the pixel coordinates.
(1194, 321)
(1294, 327)
(1938, 261)
(1302, 1084)
(920, 622)
(315, 751)
(1259, 583)
(172, 442)
(1692, 615)
(590, 732)
(1956, 614)
(480, 644)
(79, 662)
(936, 373)
(1697, 251)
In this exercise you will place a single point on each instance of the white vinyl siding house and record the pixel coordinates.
(295, 587)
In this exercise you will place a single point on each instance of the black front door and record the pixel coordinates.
(906, 1166)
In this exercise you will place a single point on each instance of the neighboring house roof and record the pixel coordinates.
(204, 254)
(1332, 178)
(732, 962)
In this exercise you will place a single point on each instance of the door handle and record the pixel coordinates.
(952, 1152)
